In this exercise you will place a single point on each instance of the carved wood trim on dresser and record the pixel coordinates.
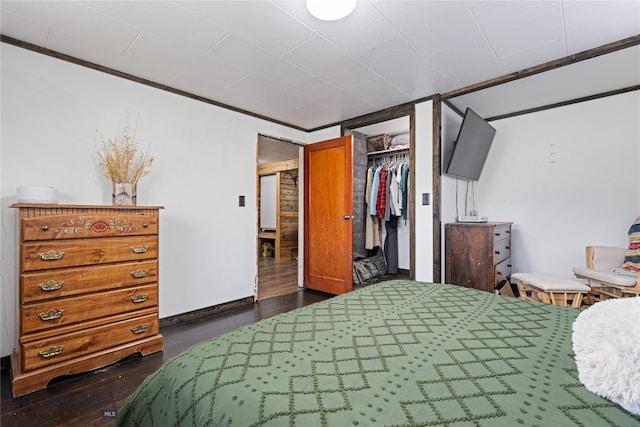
(88, 289)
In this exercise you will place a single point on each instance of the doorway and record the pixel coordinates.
(277, 190)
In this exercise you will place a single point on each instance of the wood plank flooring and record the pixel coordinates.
(276, 278)
(92, 399)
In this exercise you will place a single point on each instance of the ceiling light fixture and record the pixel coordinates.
(331, 10)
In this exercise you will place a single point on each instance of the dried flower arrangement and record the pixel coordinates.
(119, 157)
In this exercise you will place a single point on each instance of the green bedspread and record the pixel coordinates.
(397, 353)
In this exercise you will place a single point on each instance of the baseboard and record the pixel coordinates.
(202, 313)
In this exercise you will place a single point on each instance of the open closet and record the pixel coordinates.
(382, 197)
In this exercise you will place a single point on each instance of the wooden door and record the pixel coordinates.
(328, 210)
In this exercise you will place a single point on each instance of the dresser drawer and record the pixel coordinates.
(501, 250)
(75, 226)
(65, 311)
(57, 283)
(70, 253)
(502, 232)
(56, 349)
(503, 271)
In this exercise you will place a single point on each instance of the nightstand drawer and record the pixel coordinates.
(57, 283)
(71, 253)
(56, 349)
(77, 226)
(66, 311)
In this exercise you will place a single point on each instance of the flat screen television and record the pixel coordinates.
(471, 148)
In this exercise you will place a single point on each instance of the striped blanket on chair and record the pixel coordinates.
(631, 265)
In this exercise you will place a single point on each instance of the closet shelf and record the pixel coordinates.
(389, 152)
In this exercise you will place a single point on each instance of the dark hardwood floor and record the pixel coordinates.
(92, 399)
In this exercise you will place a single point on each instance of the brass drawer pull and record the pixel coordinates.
(139, 298)
(139, 249)
(44, 228)
(139, 273)
(139, 329)
(51, 256)
(51, 285)
(50, 315)
(51, 352)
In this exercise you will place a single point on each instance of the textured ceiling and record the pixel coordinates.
(272, 58)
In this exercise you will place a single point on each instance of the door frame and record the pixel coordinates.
(298, 157)
(389, 114)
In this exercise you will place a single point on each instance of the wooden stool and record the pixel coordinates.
(550, 289)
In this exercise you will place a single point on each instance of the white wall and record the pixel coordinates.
(205, 158)
(566, 177)
(423, 184)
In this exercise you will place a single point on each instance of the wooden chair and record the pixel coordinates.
(604, 283)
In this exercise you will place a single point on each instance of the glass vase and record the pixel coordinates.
(124, 194)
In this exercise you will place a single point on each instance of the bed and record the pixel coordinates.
(396, 353)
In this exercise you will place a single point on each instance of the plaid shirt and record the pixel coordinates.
(381, 200)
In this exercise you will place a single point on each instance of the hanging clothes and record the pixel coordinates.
(387, 196)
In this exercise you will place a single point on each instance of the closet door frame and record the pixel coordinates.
(382, 116)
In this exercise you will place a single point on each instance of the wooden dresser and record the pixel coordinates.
(88, 289)
(478, 255)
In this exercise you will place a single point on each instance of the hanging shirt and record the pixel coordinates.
(374, 191)
(381, 202)
(395, 209)
(404, 186)
(371, 224)
(399, 201)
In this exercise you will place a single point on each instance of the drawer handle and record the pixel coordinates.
(51, 285)
(139, 298)
(44, 228)
(145, 225)
(497, 252)
(139, 329)
(139, 249)
(51, 352)
(50, 256)
(50, 315)
(139, 273)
